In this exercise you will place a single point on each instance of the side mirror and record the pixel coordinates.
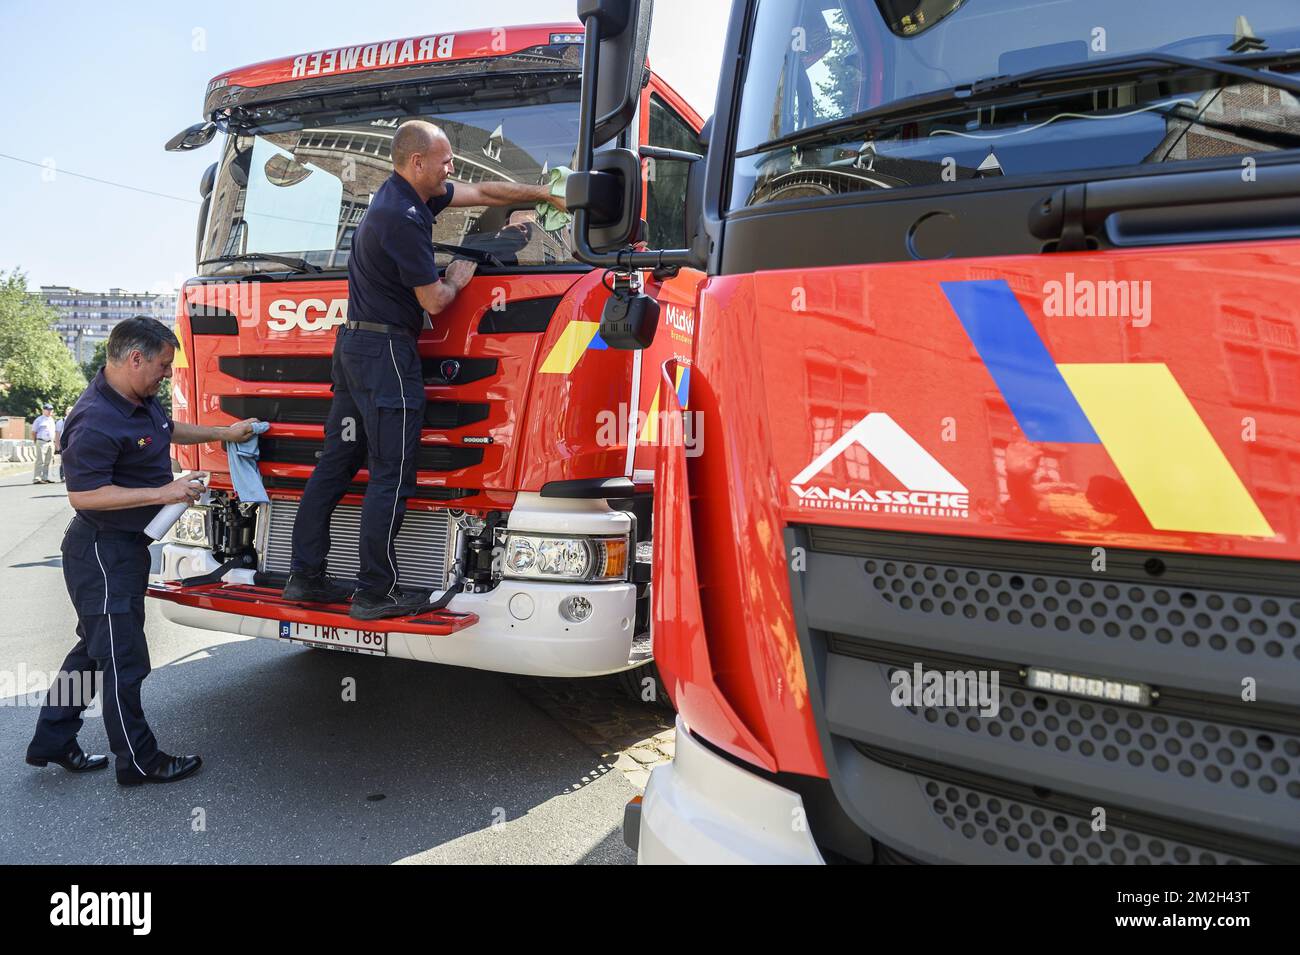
(695, 237)
(611, 194)
(604, 191)
(624, 36)
(206, 184)
(208, 181)
(200, 134)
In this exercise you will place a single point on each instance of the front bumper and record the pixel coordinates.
(519, 628)
(702, 808)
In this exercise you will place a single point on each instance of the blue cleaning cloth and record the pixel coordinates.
(241, 458)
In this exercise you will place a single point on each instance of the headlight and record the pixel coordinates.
(538, 557)
(191, 529)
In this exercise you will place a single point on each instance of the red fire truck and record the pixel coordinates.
(535, 468)
(990, 552)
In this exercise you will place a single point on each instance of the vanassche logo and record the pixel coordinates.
(931, 490)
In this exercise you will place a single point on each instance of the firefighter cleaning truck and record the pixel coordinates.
(532, 510)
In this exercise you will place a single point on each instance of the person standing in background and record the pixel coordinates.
(43, 433)
(58, 446)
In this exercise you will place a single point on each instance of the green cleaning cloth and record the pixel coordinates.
(548, 217)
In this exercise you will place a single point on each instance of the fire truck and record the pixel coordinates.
(990, 551)
(532, 510)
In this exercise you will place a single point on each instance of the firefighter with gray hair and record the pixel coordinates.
(117, 464)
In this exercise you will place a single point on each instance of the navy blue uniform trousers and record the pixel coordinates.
(374, 419)
(106, 573)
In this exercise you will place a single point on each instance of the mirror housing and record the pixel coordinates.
(611, 195)
(207, 181)
(195, 137)
(206, 184)
(604, 190)
(624, 27)
(695, 179)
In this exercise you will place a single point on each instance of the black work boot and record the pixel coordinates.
(375, 605)
(315, 589)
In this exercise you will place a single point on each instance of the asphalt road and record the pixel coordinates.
(428, 764)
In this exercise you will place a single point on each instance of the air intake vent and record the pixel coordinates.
(525, 315)
(307, 451)
(299, 369)
(208, 320)
(424, 493)
(438, 415)
(421, 545)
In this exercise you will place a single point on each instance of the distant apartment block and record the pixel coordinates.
(86, 318)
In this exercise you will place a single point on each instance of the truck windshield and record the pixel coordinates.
(821, 63)
(298, 192)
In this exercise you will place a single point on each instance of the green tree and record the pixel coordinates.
(97, 361)
(35, 366)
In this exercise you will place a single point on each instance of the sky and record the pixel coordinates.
(98, 88)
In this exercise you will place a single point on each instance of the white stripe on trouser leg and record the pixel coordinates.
(112, 654)
(401, 468)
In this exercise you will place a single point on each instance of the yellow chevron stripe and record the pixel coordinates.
(1170, 461)
(569, 347)
(650, 430)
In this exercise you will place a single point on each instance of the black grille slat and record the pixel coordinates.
(207, 320)
(307, 450)
(298, 369)
(522, 315)
(424, 493)
(315, 369)
(438, 415)
(1023, 832)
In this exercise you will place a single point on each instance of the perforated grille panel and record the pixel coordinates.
(1267, 763)
(1021, 832)
(1220, 623)
(421, 545)
(1201, 771)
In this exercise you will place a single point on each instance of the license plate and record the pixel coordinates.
(335, 638)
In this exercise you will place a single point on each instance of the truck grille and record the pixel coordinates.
(1029, 833)
(1208, 772)
(421, 545)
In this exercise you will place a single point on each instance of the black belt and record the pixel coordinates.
(379, 327)
(80, 527)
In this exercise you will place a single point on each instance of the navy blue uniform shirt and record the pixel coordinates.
(392, 253)
(107, 439)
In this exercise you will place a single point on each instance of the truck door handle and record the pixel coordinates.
(1217, 206)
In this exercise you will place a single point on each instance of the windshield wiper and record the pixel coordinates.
(297, 264)
(1280, 138)
(481, 256)
(994, 88)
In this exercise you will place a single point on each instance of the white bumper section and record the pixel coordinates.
(519, 629)
(703, 809)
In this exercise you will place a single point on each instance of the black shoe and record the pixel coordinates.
(169, 770)
(372, 605)
(315, 589)
(74, 760)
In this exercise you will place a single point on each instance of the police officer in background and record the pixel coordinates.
(378, 405)
(117, 463)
